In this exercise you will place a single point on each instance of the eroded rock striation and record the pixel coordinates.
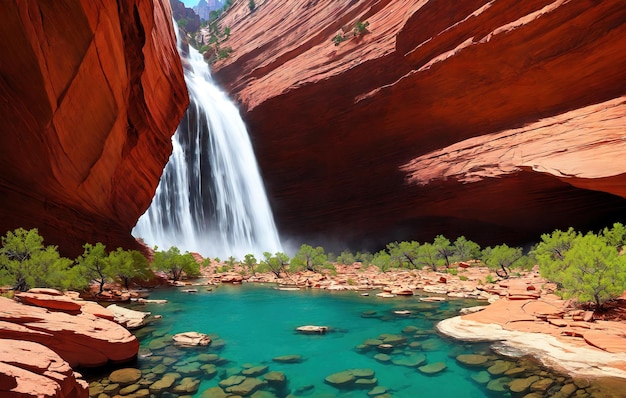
(493, 119)
(81, 340)
(32, 370)
(91, 94)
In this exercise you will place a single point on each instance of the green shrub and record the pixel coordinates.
(338, 39)
(463, 278)
(361, 28)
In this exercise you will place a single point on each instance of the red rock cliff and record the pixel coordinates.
(495, 119)
(91, 92)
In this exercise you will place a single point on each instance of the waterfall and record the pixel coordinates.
(211, 197)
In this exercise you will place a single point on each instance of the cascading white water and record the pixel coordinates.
(211, 198)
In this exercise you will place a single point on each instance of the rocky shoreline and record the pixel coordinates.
(521, 313)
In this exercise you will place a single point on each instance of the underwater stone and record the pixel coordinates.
(380, 357)
(341, 379)
(481, 377)
(275, 379)
(231, 381)
(255, 370)
(293, 358)
(247, 387)
(187, 385)
(499, 367)
(411, 361)
(377, 391)
(214, 392)
(472, 360)
(125, 376)
(433, 368)
(499, 385)
(519, 386)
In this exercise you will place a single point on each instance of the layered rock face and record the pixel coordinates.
(498, 120)
(81, 339)
(33, 370)
(91, 94)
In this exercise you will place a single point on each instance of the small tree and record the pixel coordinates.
(382, 260)
(465, 249)
(593, 271)
(250, 262)
(251, 5)
(428, 256)
(444, 249)
(346, 258)
(615, 236)
(126, 265)
(550, 252)
(309, 257)
(176, 264)
(25, 262)
(500, 258)
(93, 264)
(404, 253)
(276, 263)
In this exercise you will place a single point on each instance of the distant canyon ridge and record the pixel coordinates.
(497, 120)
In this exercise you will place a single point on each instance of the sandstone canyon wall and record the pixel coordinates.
(495, 119)
(91, 92)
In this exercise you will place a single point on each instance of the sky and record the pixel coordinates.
(190, 3)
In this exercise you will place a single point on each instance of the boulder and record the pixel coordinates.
(31, 370)
(81, 339)
(191, 339)
(125, 376)
(312, 329)
(46, 300)
(130, 319)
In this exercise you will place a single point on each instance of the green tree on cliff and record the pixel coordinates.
(25, 262)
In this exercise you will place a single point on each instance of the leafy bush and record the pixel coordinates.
(338, 39)
(500, 258)
(587, 267)
(361, 28)
(25, 262)
(176, 264)
(309, 258)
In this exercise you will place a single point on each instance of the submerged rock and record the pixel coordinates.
(293, 358)
(433, 368)
(472, 360)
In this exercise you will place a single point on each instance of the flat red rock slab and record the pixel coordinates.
(607, 342)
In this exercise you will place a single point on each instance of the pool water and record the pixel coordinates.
(252, 324)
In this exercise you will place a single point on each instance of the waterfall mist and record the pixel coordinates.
(211, 197)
